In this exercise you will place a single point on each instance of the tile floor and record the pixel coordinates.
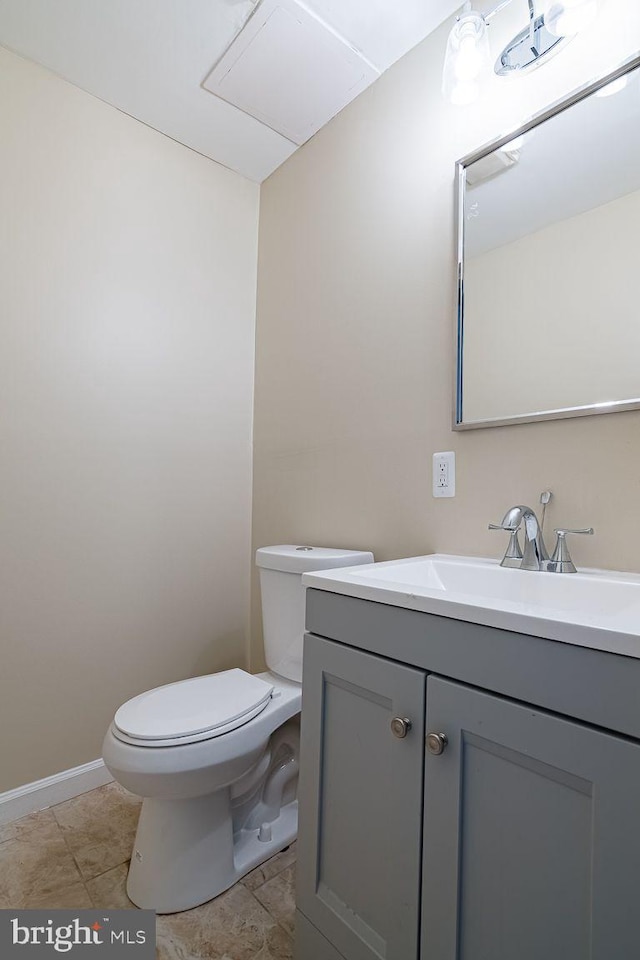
(76, 855)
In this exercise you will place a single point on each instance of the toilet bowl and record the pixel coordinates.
(216, 757)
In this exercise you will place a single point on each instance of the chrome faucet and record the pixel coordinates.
(535, 556)
(535, 553)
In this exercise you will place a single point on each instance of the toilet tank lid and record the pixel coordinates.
(293, 558)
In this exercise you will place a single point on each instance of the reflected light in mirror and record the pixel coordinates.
(516, 144)
(614, 87)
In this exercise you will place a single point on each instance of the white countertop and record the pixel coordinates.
(591, 608)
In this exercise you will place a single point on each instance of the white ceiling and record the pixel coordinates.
(288, 69)
(149, 58)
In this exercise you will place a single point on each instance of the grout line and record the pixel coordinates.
(71, 854)
(64, 833)
(272, 916)
(96, 906)
(261, 905)
(288, 932)
(85, 879)
(109, 869)
(66, 843)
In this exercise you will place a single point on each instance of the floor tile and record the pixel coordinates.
(278, 896)
(75, 855)
(271, 868)
(109, 889)
(27, 826)
(234, 926)
(75, 897)
(36, 865)
(99, 828)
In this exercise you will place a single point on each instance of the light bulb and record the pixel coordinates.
(469, 61)
(466, 57)
(564, 18)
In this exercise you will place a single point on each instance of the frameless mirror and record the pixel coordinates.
(549, 263)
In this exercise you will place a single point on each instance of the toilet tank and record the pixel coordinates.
(283, 598)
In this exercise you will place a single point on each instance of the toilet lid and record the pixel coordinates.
(192, 707)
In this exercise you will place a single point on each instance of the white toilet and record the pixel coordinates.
(216, 757)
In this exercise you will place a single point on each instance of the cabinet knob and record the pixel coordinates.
(436, 743)
(400, 727)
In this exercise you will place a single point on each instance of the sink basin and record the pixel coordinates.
(592, 608)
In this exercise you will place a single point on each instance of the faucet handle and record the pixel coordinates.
(513, 554)
(561, 561)
(562, 532)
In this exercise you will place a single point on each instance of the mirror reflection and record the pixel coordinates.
(549, 301)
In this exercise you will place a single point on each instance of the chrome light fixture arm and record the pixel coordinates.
(498, 7)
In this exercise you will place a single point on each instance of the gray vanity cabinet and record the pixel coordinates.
(531, 834)
(519, 840)
(360, 806)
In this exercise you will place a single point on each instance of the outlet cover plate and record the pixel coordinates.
(444, 474)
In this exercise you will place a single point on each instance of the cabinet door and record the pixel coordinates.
(531, 837)
(360, 802)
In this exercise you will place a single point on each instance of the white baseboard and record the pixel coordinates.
(45, 793)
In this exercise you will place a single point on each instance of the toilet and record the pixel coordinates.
(216, 757)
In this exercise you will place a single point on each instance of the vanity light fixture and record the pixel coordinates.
(468, 57)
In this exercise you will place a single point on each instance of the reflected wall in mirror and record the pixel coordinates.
(549, 271)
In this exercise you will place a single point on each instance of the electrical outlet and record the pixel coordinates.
(444, 474)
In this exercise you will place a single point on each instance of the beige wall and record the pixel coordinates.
(354, 333)
(576, 313)
(127, 271)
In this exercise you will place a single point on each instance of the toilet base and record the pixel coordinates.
(185, 852)
(250, 851)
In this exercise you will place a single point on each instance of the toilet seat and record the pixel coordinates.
(191, 710)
